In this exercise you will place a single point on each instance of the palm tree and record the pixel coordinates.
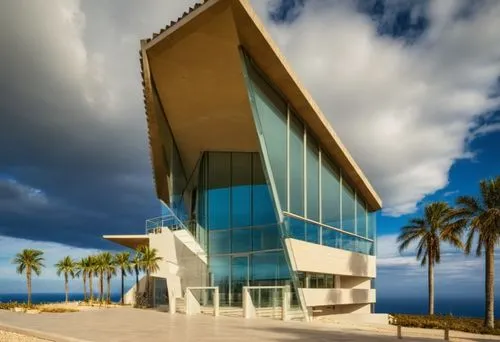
(122, 261)
(150, 261)
(482, 218)
(29, 260)
(137, 265)
(67, 267)
(84, 266)
(100, 268)
(107, 262)
(428, 232)
(92, 270)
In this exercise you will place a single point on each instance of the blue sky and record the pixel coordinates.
(411, 87)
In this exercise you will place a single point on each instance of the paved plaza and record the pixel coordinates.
(127, 324)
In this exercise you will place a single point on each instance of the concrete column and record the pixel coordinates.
(172, 301)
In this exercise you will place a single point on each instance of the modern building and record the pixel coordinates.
(256, 187)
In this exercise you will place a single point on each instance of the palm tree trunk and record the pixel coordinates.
(136, 279)
(91, 287)
(101, 287)
(28, 284)
(108, 299)
(431, 284)
(123, 286)
(489, 319)
(66, 289)
(147, 288)
(84, 276)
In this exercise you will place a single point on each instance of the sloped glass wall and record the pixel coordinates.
(317, 203)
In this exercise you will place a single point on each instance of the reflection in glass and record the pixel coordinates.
(312, 162)
(241, 240)
(330, 193)
(361, 228)
(348, 208)
(271, 110)
(296, 166)
(219, 182)
(241, 189)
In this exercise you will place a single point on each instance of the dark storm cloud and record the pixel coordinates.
(73, 144)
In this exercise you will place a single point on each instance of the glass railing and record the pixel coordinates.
(306, 230)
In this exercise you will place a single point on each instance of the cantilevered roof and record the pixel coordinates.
(195, 59)
(131, 241)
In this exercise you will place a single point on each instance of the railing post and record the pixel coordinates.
(400, 335)
(447, 334)
(285, 303)
(216, 302)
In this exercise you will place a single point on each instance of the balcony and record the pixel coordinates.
(320, 297)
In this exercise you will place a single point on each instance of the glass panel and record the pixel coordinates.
(332, 238)
(312, 161)
(330, 193)
(296, 228)
(347, 208)
(219, 178)
(266, 237)
(272, 111)
(220, 242)
(361, 222)
(312, 232)
(239, 278)
(264, 268)
(263, 206)
(283, 270)
(241, 196)
(329, 281)
(372, 224)
(321, 281)
(296, 166)
(241, 240)
(220, 275)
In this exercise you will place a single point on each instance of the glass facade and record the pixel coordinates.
(244, 244)
(318, 204)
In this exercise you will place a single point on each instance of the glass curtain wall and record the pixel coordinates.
(318, 203)
(236, 210)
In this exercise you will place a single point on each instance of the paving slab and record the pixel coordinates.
(128, 324)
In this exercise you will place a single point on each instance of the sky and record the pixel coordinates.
(411, 87)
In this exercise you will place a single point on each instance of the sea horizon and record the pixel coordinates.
(456, 306)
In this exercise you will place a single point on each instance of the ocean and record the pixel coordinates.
(38, 298)
(465, 307)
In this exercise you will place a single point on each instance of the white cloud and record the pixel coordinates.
(404, 111)
(402, 274)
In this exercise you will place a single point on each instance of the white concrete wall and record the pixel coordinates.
(311, 257)
(180, 266)
(322, 297)
(346, 282)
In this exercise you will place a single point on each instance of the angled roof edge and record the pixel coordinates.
(375, 201)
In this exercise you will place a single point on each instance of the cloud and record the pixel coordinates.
(72, 118)
(48, 281)
(73, 124)
(402, 275)
(20, 198)
(404, 110)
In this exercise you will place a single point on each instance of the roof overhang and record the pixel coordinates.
(189, 56)
(130, 241)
